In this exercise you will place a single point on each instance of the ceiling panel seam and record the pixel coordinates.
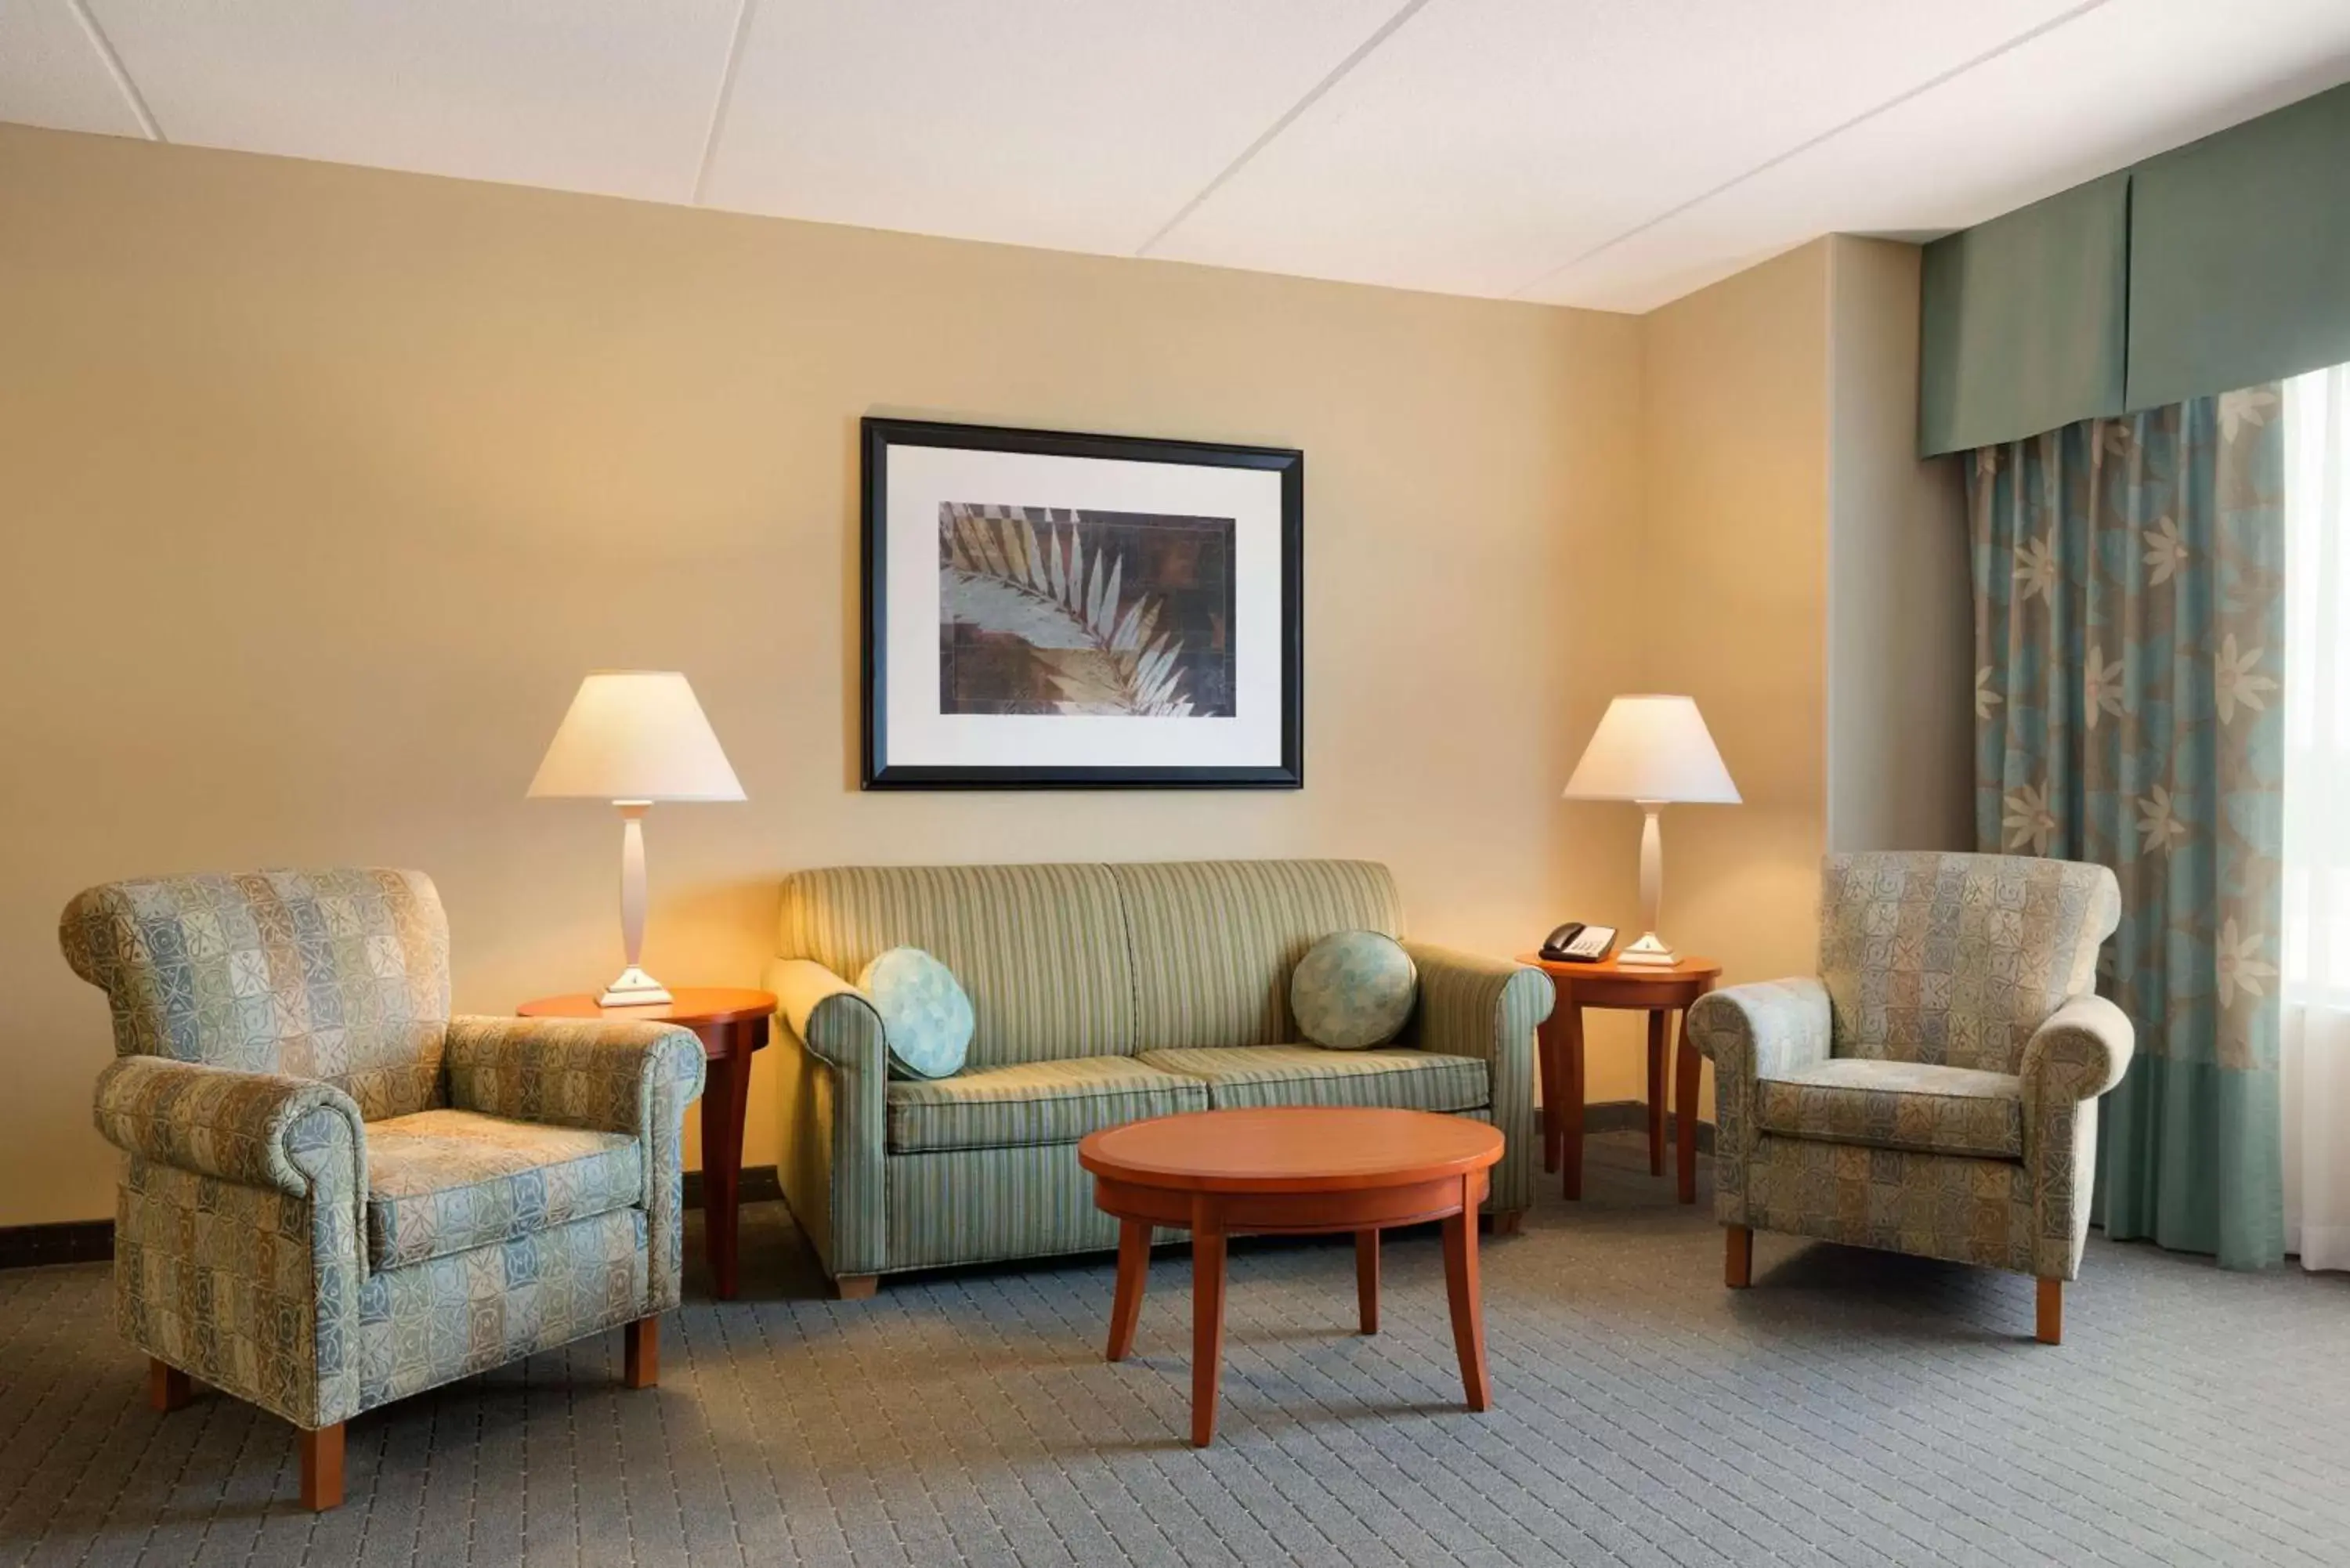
(2038, 31)
(114, 68)
(1363, 51)
(725, 99)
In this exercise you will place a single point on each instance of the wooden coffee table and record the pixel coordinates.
(1292, 1170)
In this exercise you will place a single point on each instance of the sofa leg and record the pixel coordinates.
(856, 1287)
(1504, 1222)
(640, 1352)
(2050, 1328)
(1738, 1256)
(322, 1468)
(168, 1387)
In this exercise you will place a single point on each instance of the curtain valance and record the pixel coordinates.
(2219, 264)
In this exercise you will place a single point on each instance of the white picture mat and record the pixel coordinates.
(915, 735)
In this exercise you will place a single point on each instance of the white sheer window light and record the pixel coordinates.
(2316, 1040)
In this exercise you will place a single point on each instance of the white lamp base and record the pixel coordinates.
(1649, 952)
(635, 988)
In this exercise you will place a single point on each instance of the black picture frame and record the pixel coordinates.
(879, 435)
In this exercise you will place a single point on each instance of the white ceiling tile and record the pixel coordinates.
(1076, 124)
(52, 74)
(1489, 141)
(609, 96)
(2103, 91)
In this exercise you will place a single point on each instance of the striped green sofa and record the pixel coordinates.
(1103, 994)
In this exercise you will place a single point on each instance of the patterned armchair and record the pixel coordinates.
(336, 1195)
(1934, 1090)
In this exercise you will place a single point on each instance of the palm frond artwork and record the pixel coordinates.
(1048, 610)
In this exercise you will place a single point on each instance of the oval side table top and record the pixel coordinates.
(1290, 1148)
(1688, 969)
(688, 1006)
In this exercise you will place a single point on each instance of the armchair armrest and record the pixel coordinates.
(1489, 1008)
(833, 1072)
(603, 1076)
(2081, 1051)
(255, 1128)
(1762, 1029)
(600, 1075)
(1750, 1031)
(300, 1136)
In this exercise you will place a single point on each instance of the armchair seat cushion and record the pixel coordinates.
(446, 1181)
(1024, 1103)
(1406, 1079)
(1897, 1104)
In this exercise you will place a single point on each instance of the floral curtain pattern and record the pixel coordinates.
(2129, 636)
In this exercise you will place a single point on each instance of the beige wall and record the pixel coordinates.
(1900, 632)
(322, 486)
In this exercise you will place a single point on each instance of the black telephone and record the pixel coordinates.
(1575, 942)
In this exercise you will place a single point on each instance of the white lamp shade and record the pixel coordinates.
(1653, 749)
(636, 734)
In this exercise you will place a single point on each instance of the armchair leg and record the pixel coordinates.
(1504, 1222)
(168, 1387)
(2050, 1329)
(857, 1287)
(640, 1352)
(322, 1468)
(1738, 1256)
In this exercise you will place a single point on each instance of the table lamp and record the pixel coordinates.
(633, 737)
(1653, 752)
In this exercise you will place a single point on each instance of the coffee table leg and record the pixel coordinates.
(1468, 1307)
(1133, 1273)
(1367, 1278)
(1208, 1319)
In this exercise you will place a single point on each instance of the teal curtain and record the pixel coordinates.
(2129, 634)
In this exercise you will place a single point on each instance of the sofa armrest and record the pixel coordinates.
(600, 1075)
(2081, 1051)
(1489, 1008)
(832, 1071)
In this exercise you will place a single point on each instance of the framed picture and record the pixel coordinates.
(1045, 611)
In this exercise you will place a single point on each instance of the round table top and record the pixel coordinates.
(1290, 1148)
(1688, 969)
(691, 1005)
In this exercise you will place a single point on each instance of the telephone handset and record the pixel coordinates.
(1575, 942)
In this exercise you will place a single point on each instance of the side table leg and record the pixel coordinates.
(1366, 1279)
(1549, 1037)
(1460, 1282)
(1133, 1275)
(1685, 1077)
(725, 1101)
(1570, 1110)
(1656, 1092)
(1208, 1318)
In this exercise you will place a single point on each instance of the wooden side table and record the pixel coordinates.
(732, 1025)
(1657, 992)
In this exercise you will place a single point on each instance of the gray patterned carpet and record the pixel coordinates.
(1852, 1408)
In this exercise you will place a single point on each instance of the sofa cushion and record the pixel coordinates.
(1897, 1104)
(925, 1016)
(1215, 940)
(1310, 1075)
(1033, 1103)
(1353, 990)
(447, 1181)
(1041, 950)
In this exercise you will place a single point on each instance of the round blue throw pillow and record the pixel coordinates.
(926, 1019)
(1353, 990)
